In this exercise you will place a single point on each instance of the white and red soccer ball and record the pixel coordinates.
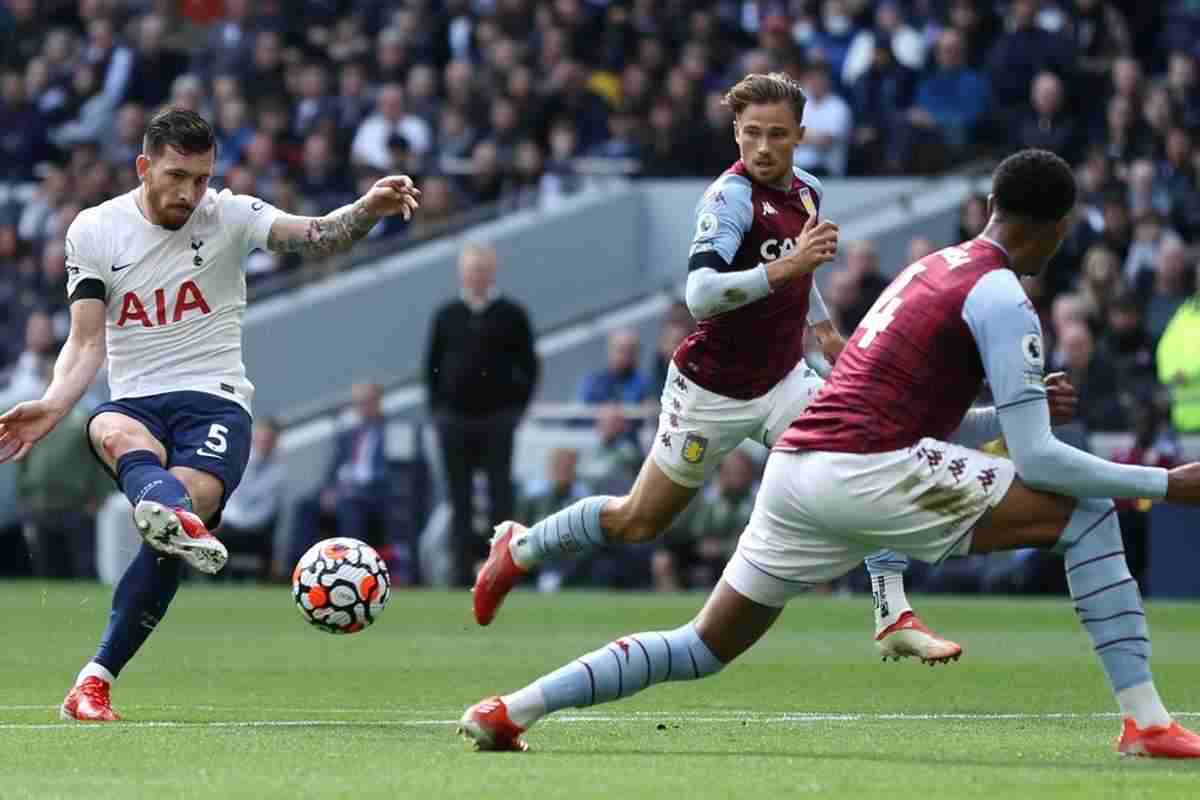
(341, 585)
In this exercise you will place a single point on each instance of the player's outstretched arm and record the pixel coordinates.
(1008, 336)
(337, 231)
(74, 371)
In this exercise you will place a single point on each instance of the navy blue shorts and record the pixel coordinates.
(198, 430)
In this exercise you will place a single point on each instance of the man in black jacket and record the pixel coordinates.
(480, 373)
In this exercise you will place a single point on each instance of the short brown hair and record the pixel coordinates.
(759, 89)
(180, 129)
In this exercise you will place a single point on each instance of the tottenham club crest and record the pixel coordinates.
(694, 448)
(196, 245)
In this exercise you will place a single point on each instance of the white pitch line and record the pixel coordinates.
(798, 717)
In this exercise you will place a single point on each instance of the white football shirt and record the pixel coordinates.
(175, 299)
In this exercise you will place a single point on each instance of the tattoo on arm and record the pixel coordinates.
(333, 233)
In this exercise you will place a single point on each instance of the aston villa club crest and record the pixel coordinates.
(694, 448)
(806, 200)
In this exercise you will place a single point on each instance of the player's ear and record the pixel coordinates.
(142, 164)
(991, 205)
(800, 134)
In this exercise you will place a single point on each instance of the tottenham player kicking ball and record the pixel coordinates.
(741, 375)
(156, 283)
(878, 460)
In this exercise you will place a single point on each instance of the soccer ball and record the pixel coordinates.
(341, 585)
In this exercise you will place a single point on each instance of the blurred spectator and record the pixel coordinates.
(879, 97)
(827, 126)
(620, 381)
(1093, 376)
(1172, 285)
(1099, 282)
(480, 374)
(696, 552)
(229, 41)
(1098, 32)
(611, 466)
(949, 103)
(1049, 126)
(61, 486)
(862, 262)
(1177, 181)
(1179, 365)
(122, 150)
(892, 35)
(370, 146)
(438, 205)
(1126, 345)
(252, 513)
(264, 76)
(315, 103)
(354, 491)
(324, 184)
(24, 141)
(977, 23)
(155, 67)
(973, 217)
(1021, 53)
(483, 183)
(1126, 136)
(831, 38)
(673, 332)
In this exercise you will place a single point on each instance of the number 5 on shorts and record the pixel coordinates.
(216, 442)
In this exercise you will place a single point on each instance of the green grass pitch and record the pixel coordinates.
(234, 696)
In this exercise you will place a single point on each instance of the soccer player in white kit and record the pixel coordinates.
(157, 285)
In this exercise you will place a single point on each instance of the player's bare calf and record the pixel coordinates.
(177, 532)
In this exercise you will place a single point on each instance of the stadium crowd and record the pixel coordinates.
(499, 105)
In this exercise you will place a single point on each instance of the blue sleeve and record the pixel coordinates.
(723, 216)
(1009, 338)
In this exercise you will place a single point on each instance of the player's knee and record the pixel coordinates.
(116, 443)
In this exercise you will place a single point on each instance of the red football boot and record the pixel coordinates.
(89, 702)
(178, 532)
(908, 636)
(498, 575)
(487, 725)
(1158, 741)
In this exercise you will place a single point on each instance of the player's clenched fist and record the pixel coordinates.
(392, 195)
(816, 245)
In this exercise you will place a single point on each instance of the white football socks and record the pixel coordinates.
(94, 670)
(525, 706)
(887, 591)
(1142, 704)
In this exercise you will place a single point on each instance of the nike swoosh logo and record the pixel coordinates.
(118, 269)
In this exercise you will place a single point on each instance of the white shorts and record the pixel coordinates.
(818, 514)
(697, 428)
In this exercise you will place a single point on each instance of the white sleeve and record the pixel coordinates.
(1009, 338)
(87, 256)
(252, 216)
(817, 312)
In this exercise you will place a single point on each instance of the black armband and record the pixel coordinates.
(89, 289)
(707, 258)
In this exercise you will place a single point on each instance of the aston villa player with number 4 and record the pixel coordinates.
(156, 283)
(880, 460)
